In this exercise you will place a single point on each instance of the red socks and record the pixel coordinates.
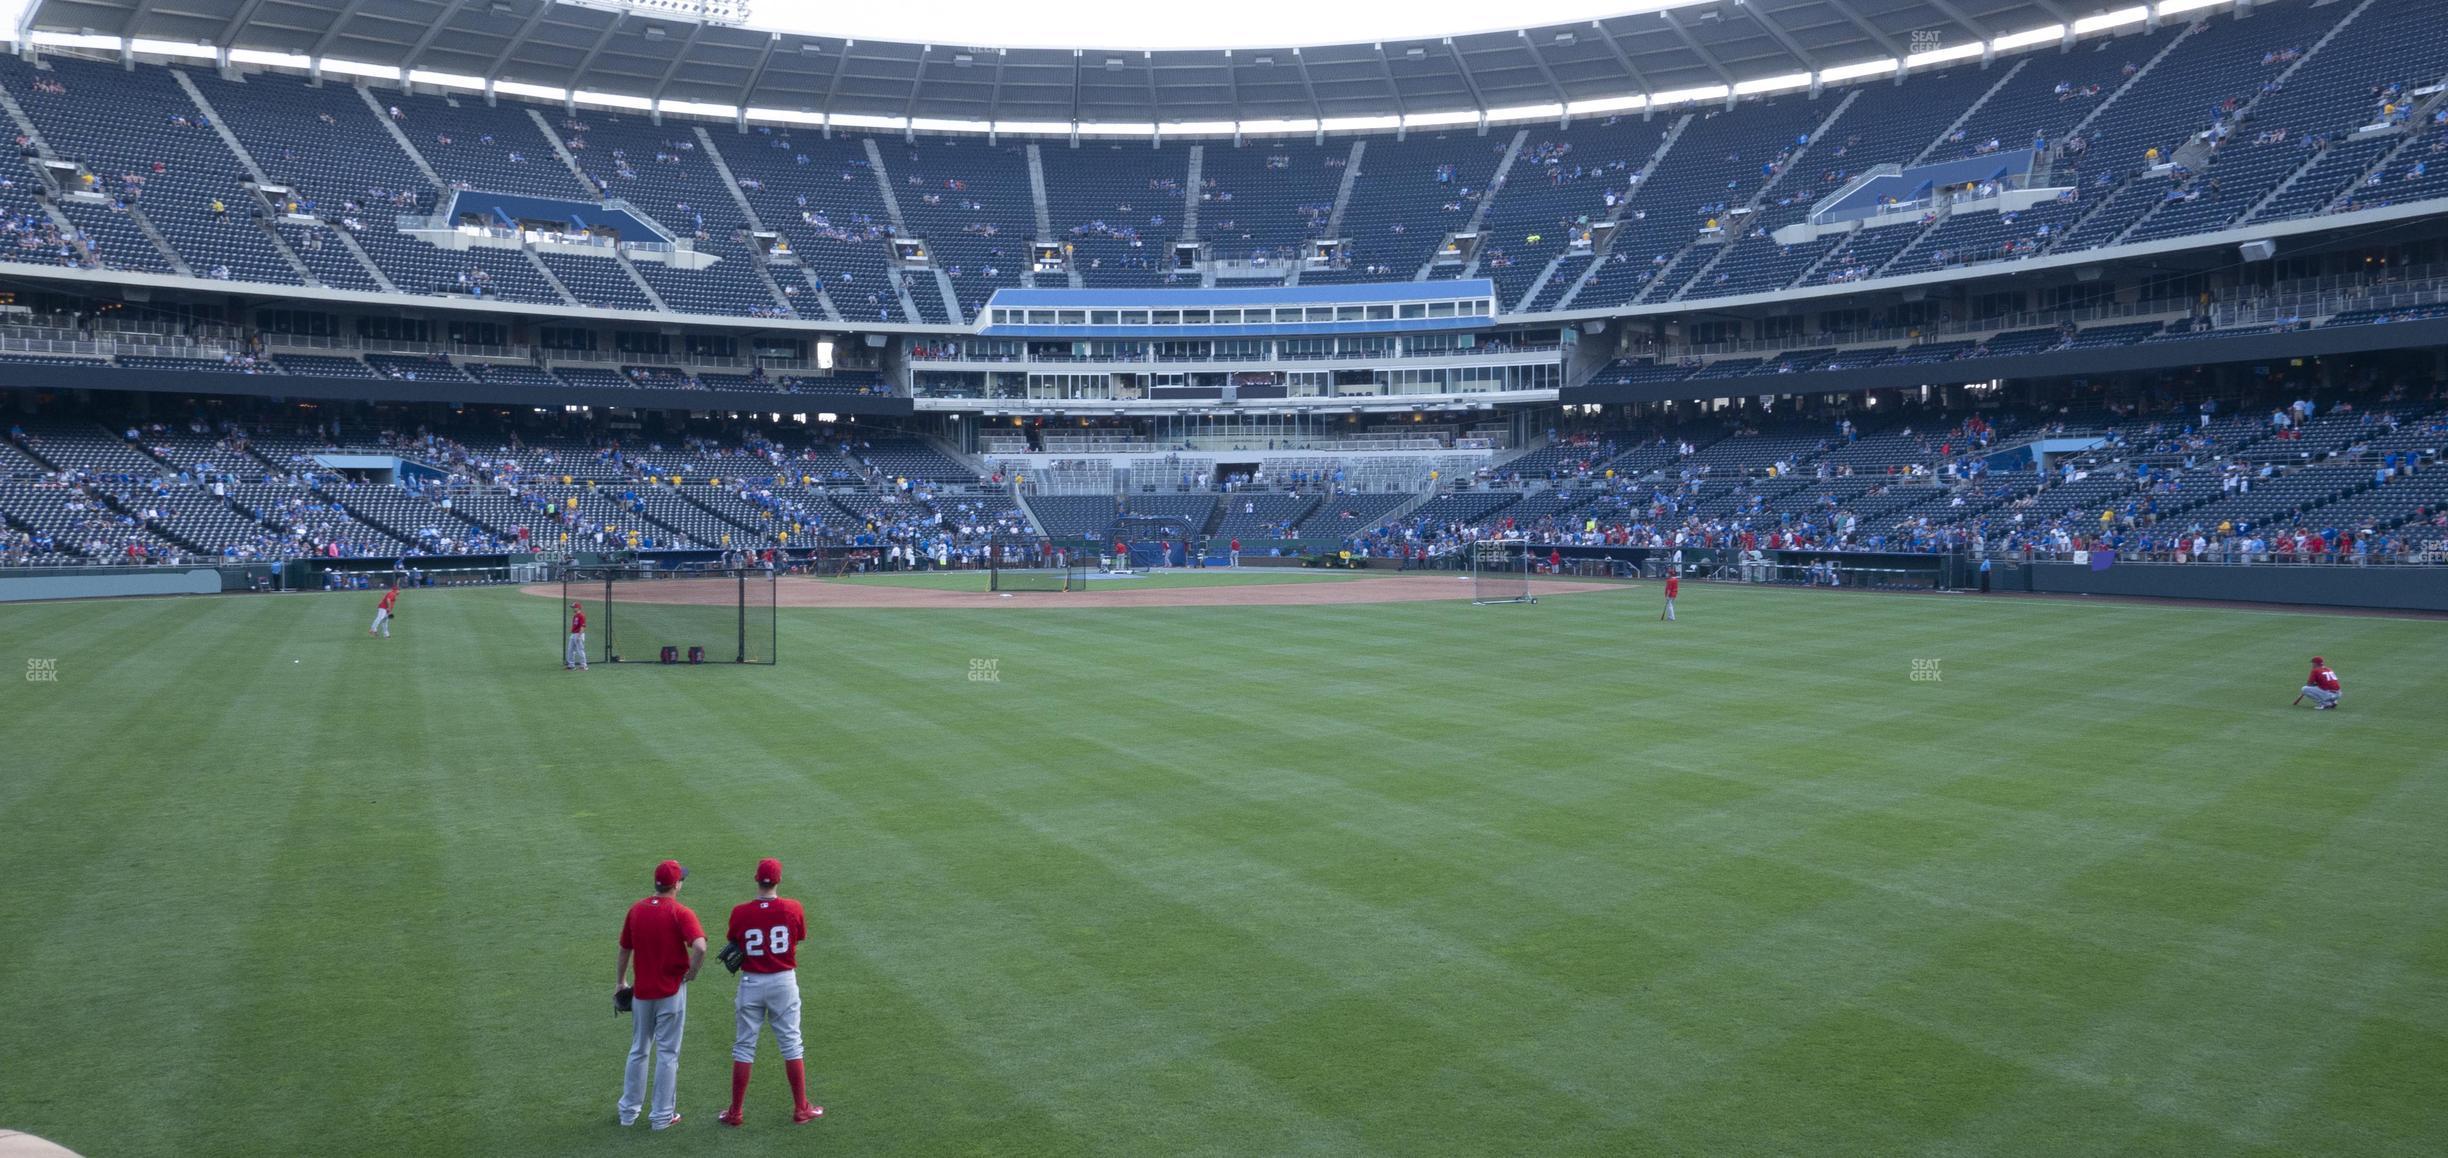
(739, 1084)
(796, 1068)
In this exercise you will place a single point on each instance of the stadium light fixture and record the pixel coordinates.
(2107, 20)
(1867, 68)
(2047, 34)
(172, 48)
(441, 79)
(360, 68)
(1615, 104)
(1773, 84)
(270, 59)
(1943, 55)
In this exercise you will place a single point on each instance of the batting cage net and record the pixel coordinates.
(1029, 563)
(649, 615)
(1500, 572)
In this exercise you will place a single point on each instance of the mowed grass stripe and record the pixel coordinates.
(1396, 879)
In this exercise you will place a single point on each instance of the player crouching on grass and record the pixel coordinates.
(2321, 687)
(764, 940)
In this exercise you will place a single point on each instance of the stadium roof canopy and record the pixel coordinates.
(706, 56)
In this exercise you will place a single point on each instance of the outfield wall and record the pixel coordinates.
(2399, 588)
(103, 584)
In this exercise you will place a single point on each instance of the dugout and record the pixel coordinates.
(1151, 542)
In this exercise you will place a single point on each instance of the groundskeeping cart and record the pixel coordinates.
(641, 614)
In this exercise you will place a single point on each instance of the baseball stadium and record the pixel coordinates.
(1594, 577)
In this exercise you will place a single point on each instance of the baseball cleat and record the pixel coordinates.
(806, 1113)
(675, 1120)
(728, 1118)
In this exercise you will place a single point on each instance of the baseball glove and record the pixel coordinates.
(732, 956)
(620, 999)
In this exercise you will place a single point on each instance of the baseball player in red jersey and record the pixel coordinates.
(662, 937)
(2321, 686)
(1674, 587)
(382, 612)
(768, 931)
(573, 656)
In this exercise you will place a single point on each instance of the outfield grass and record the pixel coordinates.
(1402, 879)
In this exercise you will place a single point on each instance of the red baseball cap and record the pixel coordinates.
(669, 873)
(769, 871)
(2317, 659)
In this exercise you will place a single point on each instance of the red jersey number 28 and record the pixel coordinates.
(776, 940)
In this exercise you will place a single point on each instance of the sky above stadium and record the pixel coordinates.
(1128, 24)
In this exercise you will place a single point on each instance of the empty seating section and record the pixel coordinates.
(27, 234)
(1408, 195)
(666, 173)
(1119, 207)
(1261, 516)
(85, 447)
(1862, 253)
(672, 509)
(2205, 86)
(599, 282)
(2221, 65)
(1075, 516)
(2019, 342)
(194, 365)
(495, 148)
(1560, 183)
(327, 258)
(144, 141)
(416, 267)
(325, 366)
(324, 143)
(910, 458)
(1569, 267)
(1656, 248)
(2100, 337)
(79, 526)
(300, 519)
(1264, 198)
(115, 237)
(431, 368)
(1469, 508)
(1972, 238)
(1337, 516)
(2051, 94)
(2330, 95)
(821, 196)
(970, 202)
(508, 374)
(1875, 129)
(2338, 172)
